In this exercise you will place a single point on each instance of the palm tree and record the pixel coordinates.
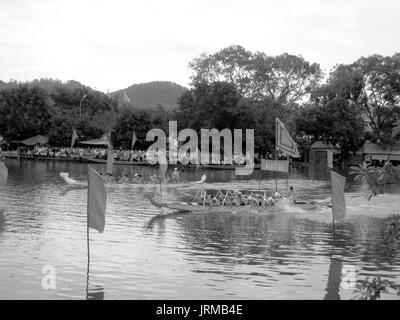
(396, 129)
(375, 177)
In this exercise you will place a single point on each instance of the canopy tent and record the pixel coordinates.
(372, 151)
(319, 145)
(95, 142)
(35, 140)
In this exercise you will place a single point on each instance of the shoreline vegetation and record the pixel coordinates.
(233, 88)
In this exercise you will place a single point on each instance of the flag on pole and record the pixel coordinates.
(74, 137)
(97, 198)
(107, 138)
(3, 173)
(133, 139)
(162, 160)
(198, 158)
(338, 183)
(163, 171)
(283, 140)
(110, 161)
(126, 98)
(329, 158)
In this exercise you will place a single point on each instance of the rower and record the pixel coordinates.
(110, 178)
(175, 175)
(153, 178)
(137, 178)
(292, 197)
(124, 178)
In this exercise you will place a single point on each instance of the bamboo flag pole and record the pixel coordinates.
(333, 216)
(96, 208)
(287, 179)
(329, 157)
(163, 167)
(275, 174)
(276, 152)
(88, 247)
(160, 188)
(333, 229)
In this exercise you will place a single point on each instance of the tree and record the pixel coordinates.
(61, 128)
(138, 121)
(25, 111)
(266, 86)
(396, 129)
(373, 87)
(285, 79)
(332, 119)
(263, 114)
(231, 64)
(217, 105)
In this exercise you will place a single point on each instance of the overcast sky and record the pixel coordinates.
(111, 44)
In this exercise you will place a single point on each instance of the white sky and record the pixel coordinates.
(115, 43)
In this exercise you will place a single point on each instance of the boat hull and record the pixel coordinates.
(199, 208)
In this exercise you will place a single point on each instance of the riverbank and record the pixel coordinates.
(14, 155)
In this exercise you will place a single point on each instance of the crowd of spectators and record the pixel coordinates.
(80, 153)
(83, 153)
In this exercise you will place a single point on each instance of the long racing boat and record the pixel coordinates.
(230, 202)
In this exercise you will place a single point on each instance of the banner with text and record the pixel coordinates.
(275, 165)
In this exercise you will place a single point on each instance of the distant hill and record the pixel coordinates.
(142, 96)
(152, 94)
(50, 85)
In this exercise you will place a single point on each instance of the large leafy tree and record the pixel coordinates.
(373, 87)
(263, 114)
(216, 105)
(25, 111)
(332, 117)
(285, 79)
(52, 108)
(139, 121)
(231, 64)
(332, 122)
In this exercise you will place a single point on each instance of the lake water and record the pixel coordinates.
(148, 254)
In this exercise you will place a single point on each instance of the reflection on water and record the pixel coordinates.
(145, 253)
(95, 293)
(334, 280)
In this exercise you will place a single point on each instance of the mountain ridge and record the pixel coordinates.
(146, 95)
(151, 94)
